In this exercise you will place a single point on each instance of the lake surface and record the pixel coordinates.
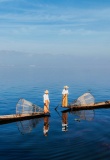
(87, 135)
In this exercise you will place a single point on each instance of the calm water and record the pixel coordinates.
(88, 133)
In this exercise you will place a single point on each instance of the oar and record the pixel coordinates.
(57, 106)
(59, 103)
(58, 114)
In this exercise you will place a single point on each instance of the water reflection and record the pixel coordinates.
(26, 126)
(65, 121)
(46, 126)
(87, 115)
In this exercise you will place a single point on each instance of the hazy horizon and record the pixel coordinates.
(23, 59)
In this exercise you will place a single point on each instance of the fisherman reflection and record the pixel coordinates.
(46, 126)
(64, 121)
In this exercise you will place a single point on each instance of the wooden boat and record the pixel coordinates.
(24, 110)
(18, 117)
(87, 101)
(98, 105)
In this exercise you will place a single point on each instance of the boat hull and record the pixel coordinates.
(18, 117)
(99, 105)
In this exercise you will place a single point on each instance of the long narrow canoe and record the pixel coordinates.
(99, 105)
(17, 117)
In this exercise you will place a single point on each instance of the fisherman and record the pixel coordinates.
(65, 96)
(46, 101)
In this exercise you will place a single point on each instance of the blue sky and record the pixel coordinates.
(79, 27)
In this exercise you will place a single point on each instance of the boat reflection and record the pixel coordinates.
(87, 115)
(26, 107)
(46, 126)
(27, 126)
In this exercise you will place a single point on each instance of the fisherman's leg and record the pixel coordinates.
(63, 101)
(66, 100)
(46, 107)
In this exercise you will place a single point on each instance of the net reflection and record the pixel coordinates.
(46, 126)
(27, 126)
(87, 115)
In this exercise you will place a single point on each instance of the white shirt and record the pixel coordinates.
(65, 91)
(46, 97)
(45, 130)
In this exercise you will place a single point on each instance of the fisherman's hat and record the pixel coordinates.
(46, 91)
(66, 87)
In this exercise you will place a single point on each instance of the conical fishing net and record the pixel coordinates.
(23, 106)
(85, 99)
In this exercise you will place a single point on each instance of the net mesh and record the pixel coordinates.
(23, 106)
(85, 114)
(27, 126)
(85, 99)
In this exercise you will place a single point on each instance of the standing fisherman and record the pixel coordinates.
(46, 101)
(65, 96)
